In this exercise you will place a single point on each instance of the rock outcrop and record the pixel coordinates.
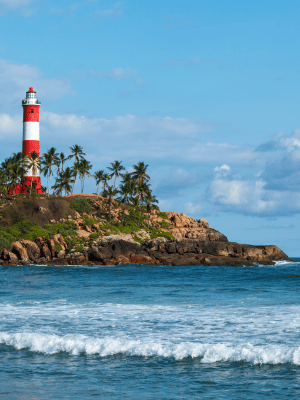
(122, 249)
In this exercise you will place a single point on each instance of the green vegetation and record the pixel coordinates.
(81, 205)
(138, 240)
(156, 233)
(89, 221)
(165, 225)
(95, 235)
(78, 249)
(66, 229)
(162, 215)
(4, 243)
(58, 247)
(23, 230)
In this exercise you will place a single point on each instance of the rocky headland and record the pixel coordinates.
(70, 232)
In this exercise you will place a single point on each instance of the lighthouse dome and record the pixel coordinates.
(30, 97)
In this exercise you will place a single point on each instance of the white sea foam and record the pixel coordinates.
(106, 346)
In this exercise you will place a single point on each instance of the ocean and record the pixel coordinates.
(149, 332)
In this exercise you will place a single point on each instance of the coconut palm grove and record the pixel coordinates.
(62, 171)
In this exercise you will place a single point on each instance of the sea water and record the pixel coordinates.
(149, 332)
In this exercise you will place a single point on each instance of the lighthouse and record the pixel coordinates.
(31, 138)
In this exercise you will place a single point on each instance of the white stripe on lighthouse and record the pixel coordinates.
(31, 131)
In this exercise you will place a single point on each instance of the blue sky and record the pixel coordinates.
(205, 92)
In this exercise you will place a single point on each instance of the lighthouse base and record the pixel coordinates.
(28, 183)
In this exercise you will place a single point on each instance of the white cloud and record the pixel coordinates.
(10, 125)
(222, 171)
(15, 79)
(192, 209)
(252, 198)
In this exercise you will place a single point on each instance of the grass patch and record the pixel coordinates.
(89, 221)
(165, 225)
(156, 233)
(95, 235)
(66, 229)
(58, 247)
(23, 230)
(79, 249)
(138, 240)
(162, 215)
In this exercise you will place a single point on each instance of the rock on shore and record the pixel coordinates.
(122, 249)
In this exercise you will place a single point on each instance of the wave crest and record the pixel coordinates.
(208, 353)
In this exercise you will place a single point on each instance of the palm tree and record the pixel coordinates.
(64, 182)
(106, 178)
(116, 168)
(49, 159)
(3, 182)
(98, 175)
(32, 163)
(84, 168)
(125, 191)
(75, 169)
(151, 200)
(139, 173)
(135, 201)
(16, 174)
(110, 193)
(62, 160)
(77, 152)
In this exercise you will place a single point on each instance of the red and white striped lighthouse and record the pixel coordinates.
(31, 138)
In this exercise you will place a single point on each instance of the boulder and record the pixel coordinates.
(20, 251)
(32, 249)
(51, 245)
(46, 252)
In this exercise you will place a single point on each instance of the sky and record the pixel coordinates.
(204, 92)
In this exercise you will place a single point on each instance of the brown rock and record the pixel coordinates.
(46, 252)
(32, 249)
(51, 245)
(20, 251)
(12, 258)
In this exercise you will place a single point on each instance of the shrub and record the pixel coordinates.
(162, 215)
(138, 240)
(58, 247)
(81, 205)
(67, 229)
(23, 230)
(4, 243)
(95, 235)
(35, 232)
(165, 225)
(79, 249)
(157, 233)
(89, 221)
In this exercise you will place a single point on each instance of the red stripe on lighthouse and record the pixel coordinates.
(31, 113)
(29, 146)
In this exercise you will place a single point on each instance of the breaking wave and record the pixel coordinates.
(103, 347)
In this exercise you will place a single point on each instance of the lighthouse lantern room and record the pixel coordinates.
(31, 140)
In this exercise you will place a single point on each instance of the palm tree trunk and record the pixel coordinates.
(109, 202)
(133, 222)
(75, 176)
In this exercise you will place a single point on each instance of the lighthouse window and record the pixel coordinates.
(32, 111)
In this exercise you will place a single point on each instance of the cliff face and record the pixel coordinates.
(186, 241)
